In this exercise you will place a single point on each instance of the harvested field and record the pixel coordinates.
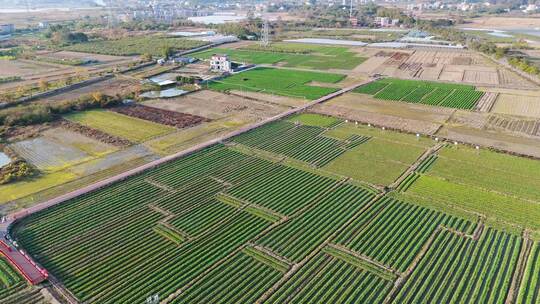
(113, 86)
(274, 99)
(25, 68)
(520, 105)
(479, 77)
(160, 116)
(485, 104)
(47, 154)
(133, 129)
(79, 141)
(529, 127)
(68, 55)
(113, 159)
(216, 105)
(94, 133)
(407, 117)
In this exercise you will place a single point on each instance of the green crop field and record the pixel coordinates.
(13, 287)
(424, 92)
(503, 188)
(260, 219)
(153, 45)
(291, 83)
(133, 129)
(292, 55)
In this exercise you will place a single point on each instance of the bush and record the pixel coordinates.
(15, 171)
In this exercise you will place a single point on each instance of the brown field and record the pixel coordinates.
(503, 22)
(521, 126)
(161, 116)
(23, 19)
(452, 65)
(216, 105)
(485, 104)
(403, 116)
(111, 87)
(25, 68)
(79, 55)
(520, 105)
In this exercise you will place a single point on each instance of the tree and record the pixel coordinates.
(167, 52)
(43, 85)
(146, 57)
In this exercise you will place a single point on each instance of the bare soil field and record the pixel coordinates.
(451, 65)
(216, 105)
(69, 55)
(530, 127)
(520, 105)
(24, 68)
(485, 104)
(502, 22)
(273, 99)
(111, 87)
(492, 138)
(93, 133)
(407, 117)
(33, 17)
(161, 116)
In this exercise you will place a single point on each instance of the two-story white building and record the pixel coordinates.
(220, 63)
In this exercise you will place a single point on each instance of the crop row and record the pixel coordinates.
(461, 270)
(10, 281)
(283, 190)
(304, 143)
(326, 279)
(430, 93)
(241, 279)
(529, 291)
(395, 235)
(302, 234)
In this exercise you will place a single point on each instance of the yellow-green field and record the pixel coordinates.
(133, 129)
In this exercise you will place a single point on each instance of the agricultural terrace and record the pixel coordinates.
(133, 129)
(424, 92)
(233, 223)
(129, 46)
(13, 287)
(499, 187)
(295, 55)
(283, 82)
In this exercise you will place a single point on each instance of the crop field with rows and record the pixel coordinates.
(424, 92)
(250, 221)
(292, 83)
(13, 287)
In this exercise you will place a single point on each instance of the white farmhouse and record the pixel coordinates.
(220, 63)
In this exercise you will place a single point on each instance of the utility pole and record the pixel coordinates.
(265, 40)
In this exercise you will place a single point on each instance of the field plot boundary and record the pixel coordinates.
(11, 218)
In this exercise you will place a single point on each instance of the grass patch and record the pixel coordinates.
(365, 265)
(501, 211)
(316, 120)
(292, 55)
(135, 45)
(133, 129)
(24, 188)
(266, 259)
(382, 159)
(280, 82)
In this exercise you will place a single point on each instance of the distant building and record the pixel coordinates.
(7, 28)
(43, 24)
(220, 63)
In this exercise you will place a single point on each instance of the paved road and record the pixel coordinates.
(31, 272)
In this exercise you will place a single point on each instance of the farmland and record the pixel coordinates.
(13, 287)
(134, 129)
(128, 46)
(423, 92)
(292, 55)
(293, 84)
(261, 218)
